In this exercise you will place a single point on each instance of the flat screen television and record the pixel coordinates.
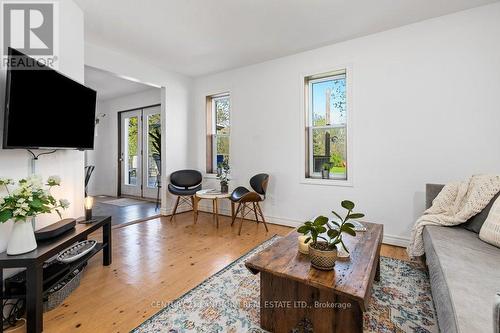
(45, 109)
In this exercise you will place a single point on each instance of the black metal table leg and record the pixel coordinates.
(34, 299)
(106, 238)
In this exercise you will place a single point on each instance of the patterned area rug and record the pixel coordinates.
(229, 302)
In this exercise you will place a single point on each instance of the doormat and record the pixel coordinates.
(124, 202)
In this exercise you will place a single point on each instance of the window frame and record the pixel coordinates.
(306, 82)
(211, 130)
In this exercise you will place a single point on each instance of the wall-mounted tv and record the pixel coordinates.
(45, 109)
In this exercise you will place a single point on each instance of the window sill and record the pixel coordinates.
(210, 176)
(326, 182)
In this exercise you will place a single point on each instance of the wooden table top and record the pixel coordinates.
(352, 277)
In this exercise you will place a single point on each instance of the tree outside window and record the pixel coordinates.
(327, 125)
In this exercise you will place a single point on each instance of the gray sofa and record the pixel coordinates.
(465, 276)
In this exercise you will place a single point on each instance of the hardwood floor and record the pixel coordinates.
(395, 252)
(155, 262)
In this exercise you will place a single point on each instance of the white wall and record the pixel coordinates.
(425, 109)
(175, 99)
(67, 164)
(105, 154)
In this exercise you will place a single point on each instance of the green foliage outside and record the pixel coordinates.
(338, 156)
(223, 127)
(338, 170)
(337, 159)
(132, 136)
(154, 126)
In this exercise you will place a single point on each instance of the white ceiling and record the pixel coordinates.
(197, 37)
(109, 86)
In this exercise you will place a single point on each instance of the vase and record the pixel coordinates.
(5, 231)
(322, 259)
(325, 174)
(22, 239)
(224, 188)
(303, 246)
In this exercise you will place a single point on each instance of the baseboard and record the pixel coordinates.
(207, 208)
(396, 240)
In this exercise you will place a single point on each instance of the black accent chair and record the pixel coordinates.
(250, 199)
(184, 184)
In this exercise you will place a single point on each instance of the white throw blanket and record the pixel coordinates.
(455, 204)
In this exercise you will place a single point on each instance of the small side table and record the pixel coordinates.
(214, 196)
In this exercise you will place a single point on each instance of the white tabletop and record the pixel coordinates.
(212, 194)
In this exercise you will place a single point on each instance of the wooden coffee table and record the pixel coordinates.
(333, 301)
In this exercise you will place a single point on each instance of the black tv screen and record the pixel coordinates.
(45, 109)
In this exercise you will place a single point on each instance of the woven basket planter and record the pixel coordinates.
(323, 260)
(59, 293)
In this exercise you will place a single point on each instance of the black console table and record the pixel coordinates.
(33, 262)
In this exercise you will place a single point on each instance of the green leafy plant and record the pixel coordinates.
(30, 198)
(327, 237)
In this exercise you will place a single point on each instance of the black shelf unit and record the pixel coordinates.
(64, 270)
(34, 262)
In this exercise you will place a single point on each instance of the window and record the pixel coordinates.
(326, 126)
(218, 130)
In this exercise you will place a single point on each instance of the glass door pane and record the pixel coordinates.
(131, 146)
(154, 149)
(131, 150)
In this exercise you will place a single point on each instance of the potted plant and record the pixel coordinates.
(21, 204)
(324, 238)
(325, 171)
(223, 175)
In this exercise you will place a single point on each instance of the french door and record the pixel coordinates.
(140, 151)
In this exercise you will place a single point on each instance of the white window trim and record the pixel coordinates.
(305, 115)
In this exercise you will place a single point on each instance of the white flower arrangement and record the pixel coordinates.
(30, 198)
(54, 181)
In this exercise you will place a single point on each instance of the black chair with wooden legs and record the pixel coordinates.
(184, 184)
(250, 200)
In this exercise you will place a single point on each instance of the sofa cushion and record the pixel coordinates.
(465, 277)
(490, 231)
(476, 222)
